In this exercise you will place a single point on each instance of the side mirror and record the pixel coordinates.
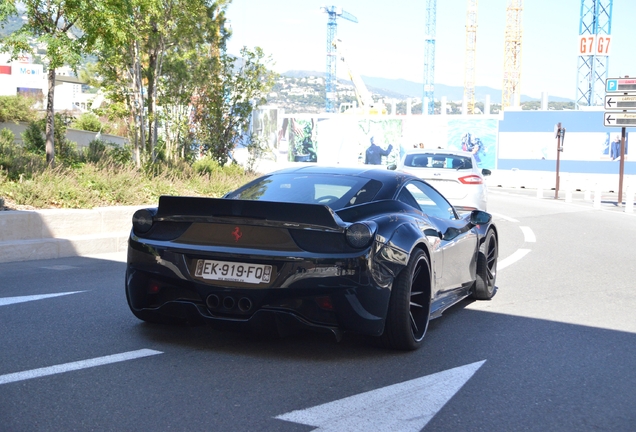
(391, 167)
(486, 172)
(479, 217)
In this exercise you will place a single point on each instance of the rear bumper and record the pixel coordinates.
(336, 295)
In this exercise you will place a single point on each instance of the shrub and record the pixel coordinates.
(33, 138)
(88, 122)
(17, 109)
(206, 165)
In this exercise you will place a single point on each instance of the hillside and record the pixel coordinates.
(304, 92)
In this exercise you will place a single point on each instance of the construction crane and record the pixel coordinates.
(469, 60)
(429, 58)
(366, 104)
(510, 95)
(594, 40)
(331, 77)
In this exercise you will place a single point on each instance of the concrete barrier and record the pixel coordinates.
(53, 233)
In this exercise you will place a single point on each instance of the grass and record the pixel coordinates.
(98, 185)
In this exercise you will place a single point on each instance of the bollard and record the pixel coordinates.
(587, 195)
(597, 196)
(629, 200)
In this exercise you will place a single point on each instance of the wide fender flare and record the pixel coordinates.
(397, 250)
(482, 230)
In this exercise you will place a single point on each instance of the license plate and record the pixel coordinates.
(233, 271)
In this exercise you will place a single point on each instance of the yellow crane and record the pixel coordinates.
(469, 60)
(511, 89)
(366, 104)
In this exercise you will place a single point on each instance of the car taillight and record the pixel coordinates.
(142, 220)
(471, 179)
(359, 235)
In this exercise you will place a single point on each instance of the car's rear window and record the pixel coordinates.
(433, 160)
(334, 190)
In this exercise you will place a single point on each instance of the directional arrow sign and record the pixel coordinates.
(620, 119)
(620, 102)
(403, 407)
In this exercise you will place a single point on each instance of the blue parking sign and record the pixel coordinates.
(611, 85)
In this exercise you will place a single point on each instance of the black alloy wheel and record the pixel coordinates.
(409, 307)
(484, 287)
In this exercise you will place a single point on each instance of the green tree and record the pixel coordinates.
(58, 24)
(223, 105)
(145, 36)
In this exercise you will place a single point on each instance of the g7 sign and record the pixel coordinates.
(598, 45)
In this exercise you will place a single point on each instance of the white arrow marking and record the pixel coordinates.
(83, 364)
(519, 253)
(528, 234)
(402, 407)
(11, 300)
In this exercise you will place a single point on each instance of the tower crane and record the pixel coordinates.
(510, 95)
(330, 80)
(594, 40)
(429, 58)
(469, 61)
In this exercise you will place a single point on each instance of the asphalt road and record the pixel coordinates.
(555, 350)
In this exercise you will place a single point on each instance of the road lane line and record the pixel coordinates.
(519, 253)
(528, 234)
(82, 364)
(21, 299)
(500, 216)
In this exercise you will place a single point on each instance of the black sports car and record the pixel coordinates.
(372, 251)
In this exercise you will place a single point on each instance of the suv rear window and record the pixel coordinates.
(433, 160)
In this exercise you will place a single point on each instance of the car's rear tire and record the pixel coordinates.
(409, 306)
(484, 287)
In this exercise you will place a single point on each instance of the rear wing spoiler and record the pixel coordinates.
(292, 215)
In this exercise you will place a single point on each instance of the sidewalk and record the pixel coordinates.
(598, 191)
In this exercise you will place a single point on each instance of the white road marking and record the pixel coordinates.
(519, 253)
(402, 407)
(528, 234)
(60, 267)
(500, 216)
(83, 364)
(21, 299)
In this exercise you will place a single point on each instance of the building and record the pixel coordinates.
(22, 76)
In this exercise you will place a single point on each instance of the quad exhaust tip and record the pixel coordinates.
(244, 304)
(214, 302)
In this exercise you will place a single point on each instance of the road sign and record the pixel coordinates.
(620, 85)
(620, 102)
(620, 119)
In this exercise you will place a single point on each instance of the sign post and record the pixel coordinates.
(620, 96)
(560, 136)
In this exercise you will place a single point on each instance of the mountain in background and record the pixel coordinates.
(402, 89)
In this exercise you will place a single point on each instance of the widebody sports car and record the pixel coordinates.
(372, 251)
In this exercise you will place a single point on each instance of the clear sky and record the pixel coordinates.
(388, 40)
